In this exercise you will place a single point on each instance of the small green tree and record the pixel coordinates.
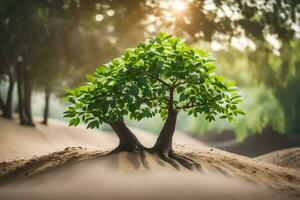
(162, 76)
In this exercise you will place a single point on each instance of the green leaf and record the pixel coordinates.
(235, 97)
(72, 100)
(240, 112)
(101, 69)
(180, 89)
(74, 122)
(90, 77)
(182, 97)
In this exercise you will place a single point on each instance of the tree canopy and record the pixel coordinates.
(139, 84)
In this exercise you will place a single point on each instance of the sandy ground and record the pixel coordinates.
(83, 173)
(19, 142)
(286, 158)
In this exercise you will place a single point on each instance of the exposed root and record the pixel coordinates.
(185, 161)
(169, 160)
(143, 159)
(176, 160)
(172, 158)
(132, 149)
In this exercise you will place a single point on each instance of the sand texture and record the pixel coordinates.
(83, 171)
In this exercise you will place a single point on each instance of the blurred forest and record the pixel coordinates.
(46, 47)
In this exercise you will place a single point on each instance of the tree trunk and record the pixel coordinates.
(46, 108)
(7, 109)
(127, 140)
(27, 97)
(163, 143)
(1, 103)
(20, 82)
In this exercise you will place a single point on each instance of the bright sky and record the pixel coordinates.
(179, 5)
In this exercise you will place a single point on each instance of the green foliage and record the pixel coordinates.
(263, 109)
(161, 74)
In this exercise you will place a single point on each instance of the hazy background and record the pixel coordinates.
(255, 43)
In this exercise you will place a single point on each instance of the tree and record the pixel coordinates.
(19, 28)
(162, 76)
(7, 71)
(281, 74)
(6, 105)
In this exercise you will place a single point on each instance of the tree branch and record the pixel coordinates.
(158, 79)
(146, 100)
(186, 106)
(180, 83)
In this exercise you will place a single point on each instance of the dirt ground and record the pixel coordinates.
(84, 172)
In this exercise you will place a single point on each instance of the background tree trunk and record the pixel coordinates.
(27, 95)
(127, 140)
(1, 103)
(20, 82)
(46, 108)
(6, 106)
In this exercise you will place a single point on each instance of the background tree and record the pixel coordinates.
(7, 68)
(281, 74)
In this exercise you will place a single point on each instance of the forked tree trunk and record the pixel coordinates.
(127, 140)
(46, 108)
(163, 143)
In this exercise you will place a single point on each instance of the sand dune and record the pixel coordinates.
(286, 158)
(76, 173)
(85, 173)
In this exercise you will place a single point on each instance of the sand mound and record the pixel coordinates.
(286, 158)
(49, 170)
(76, 173)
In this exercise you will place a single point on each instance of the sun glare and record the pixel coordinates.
(179, 5)
(99, 17)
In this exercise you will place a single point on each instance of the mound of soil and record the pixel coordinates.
(76, 173)
(286, 158)
(37, 164)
